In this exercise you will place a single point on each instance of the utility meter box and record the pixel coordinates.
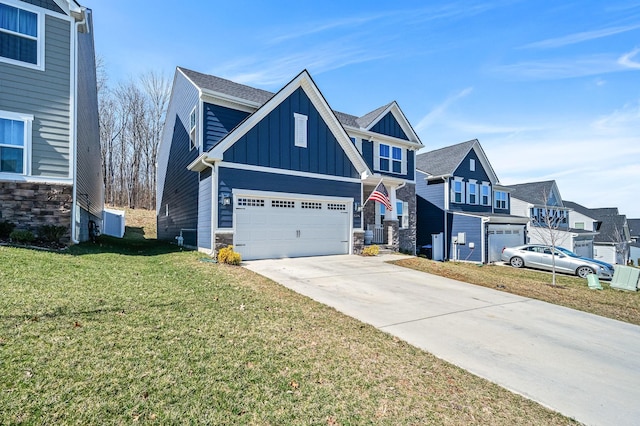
(462, 238)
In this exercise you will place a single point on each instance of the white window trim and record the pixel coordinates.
(497, 200)
(475, 183)
(301, 131)
(193, 129)
(453, 191)
(377, 158)
(26, 155)
(472, 165)
(40, 40)
(404, 223)
(488, 186)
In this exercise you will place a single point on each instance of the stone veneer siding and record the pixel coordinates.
(31, 205)
(358, 241)
(222, 240)
(407, 237)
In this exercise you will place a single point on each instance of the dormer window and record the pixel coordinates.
(20, 38)
(501, 200)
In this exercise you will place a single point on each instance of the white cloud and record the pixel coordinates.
(560, 69)
(626, 60)
(437, 112)
(579, 37)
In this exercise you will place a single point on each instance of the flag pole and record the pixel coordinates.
(374, 188)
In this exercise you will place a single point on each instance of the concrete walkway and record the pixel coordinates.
(581, 365)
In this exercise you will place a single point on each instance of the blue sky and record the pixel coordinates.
(550, 89)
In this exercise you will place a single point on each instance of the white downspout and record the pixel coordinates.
(74, 123)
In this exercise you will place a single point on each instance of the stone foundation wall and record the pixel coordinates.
(358, 242)
(31, 205)
(222, 241)
(407, 237)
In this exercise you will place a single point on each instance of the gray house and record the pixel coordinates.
(50, 167)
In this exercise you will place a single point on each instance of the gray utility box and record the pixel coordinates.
(625, 278)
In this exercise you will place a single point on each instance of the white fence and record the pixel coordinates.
(113, 223)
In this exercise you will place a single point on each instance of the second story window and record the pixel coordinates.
(458, 191)
(472, 192)
(485, 194)
(193, 124)
(501, 200)
(19, 36)
(390, 159)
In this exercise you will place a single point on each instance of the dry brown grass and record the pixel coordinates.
(570, 291)
(139, 223)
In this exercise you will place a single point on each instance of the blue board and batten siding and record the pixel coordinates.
(271, 142)
(472, 227)
(368, 155)
(218, 122)
(180, 186)
(479, 175)
(388, 125)
(230, 179)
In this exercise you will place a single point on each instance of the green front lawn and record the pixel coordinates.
(136, 331)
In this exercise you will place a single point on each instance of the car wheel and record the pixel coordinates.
(583, 271)
(516, 262)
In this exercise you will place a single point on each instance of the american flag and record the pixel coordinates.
(381, 195)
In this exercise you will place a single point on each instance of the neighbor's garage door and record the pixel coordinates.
(270, 227)
(583, 248)
(501, 236)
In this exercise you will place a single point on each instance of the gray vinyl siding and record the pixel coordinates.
(46, 95)
(89, 177)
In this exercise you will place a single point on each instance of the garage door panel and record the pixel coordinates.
(274, 227)
(500, 236)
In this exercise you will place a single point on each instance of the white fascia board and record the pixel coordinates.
(199, 165)
(287, 172)
(368, 135)
(394, 108)
(302, 80)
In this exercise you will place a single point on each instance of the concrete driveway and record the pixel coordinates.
(581, 365)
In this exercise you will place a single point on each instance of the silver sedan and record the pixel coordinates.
(540, 257)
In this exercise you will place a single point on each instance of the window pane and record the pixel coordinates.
(11, 160)
(28, 23)
(397, 153)
(8, 17)
(399, 207)
(18, 48)
(397, 167)
(11, 132)
(384, 152)
(384, 164)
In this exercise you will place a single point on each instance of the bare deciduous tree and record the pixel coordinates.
(131, 121)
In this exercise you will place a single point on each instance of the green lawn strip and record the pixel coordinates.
(570, 291)
(105, 334)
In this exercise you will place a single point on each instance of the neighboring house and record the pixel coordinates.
(50, 166)
(460, 198)
(542, 203)
(634, 233)
(582, 218)
(280, 175)
(612, 244)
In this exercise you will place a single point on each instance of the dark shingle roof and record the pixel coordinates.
(533, 192)
(612, 229)
(579, 208)
(634, 227)
(259, 96)
(444, 161)
(227, 87)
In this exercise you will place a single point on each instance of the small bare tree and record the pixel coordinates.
(550, 225)
(621, 239)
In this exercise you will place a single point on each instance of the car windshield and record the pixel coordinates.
(567, 252)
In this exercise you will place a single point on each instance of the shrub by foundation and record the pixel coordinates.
(373, 250)
(228, 256)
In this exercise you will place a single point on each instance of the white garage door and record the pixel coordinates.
(583, 248)
(275, 227)
(501, 236)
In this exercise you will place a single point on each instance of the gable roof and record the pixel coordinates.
(612, 229)
(304, 81)
(445, 161)
(231, 90)
(537, 193)
(579, 208)
(634, 227)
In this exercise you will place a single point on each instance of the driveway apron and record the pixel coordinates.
(584, 366)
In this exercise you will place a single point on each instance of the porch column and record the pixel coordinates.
(391, 225)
